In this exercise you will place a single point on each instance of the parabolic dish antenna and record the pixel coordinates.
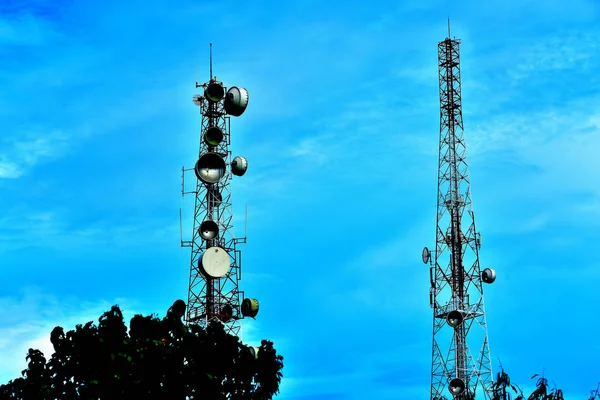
(488, 275)
(197, 99)
(239, 166)
(215, 262)
(454, 318)
(250, 308)
(214, 92)
(213, 135)
(236, 101)
(254, 351)
(210, 168)
(209, 230)
(456, 386)
(426, 255)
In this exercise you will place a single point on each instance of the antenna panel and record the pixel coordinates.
(236, 101)
(210, 168)
(209, 230)
(239, 166)
(215, 262)
(213, 136)
(214, 92)
(426, 255)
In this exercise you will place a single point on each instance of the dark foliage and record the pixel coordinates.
(501, 390)
(157, 359)
(595, 394)
(541, 392)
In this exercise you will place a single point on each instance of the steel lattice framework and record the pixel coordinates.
(456, 293)
(215, 262)
(208, 298)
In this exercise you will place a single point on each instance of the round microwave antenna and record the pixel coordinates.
(215, 262)
(254, 351)
(210, 168)
(454, 318)
(488, 275)
(214, 92)
(426, 255)
(236, 101)
(239, 166)
(456, 386)
(197, 99)
(250, 308)
(178, 308)
(209, 230)
(213, 135)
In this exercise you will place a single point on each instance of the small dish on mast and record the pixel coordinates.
(488, 275)
(454, 318)
(426, 255)
(197, 99)
(215, 262)
(210, 168)
(236, 101)
(209, 230)
(456, 386)
(250, 307)
(213, 135)
(214, 92)
(239, 166)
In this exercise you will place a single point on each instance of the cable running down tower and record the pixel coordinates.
(456, 293)
(215, 264)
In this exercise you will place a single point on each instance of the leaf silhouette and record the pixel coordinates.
(108, 362)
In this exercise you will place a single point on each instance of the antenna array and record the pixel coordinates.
(456, 293)
(215, 264)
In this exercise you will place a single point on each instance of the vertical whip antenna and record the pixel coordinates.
(246, 223)
(211, 76)
(180, 227)
(448, 27)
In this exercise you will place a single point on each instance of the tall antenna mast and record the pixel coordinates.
(215, 262)
(211, 75)
(456, 293)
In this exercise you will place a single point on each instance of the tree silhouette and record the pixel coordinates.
(500, 387)
(541, 392)
(157, 359)
(500, 390)
(595, 394)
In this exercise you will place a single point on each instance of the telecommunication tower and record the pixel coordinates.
(216, 261)
(456, 293)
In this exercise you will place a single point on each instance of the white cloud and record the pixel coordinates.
(560, 144)
(570, 49)
(25, 151)
(23, 225)
(9, 170)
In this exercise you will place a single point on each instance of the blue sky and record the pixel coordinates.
(341, 135)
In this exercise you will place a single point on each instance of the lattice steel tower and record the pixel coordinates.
(456, 293)
(215, 264)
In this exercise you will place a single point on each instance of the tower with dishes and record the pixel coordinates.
(216, 263)
(461, 355)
